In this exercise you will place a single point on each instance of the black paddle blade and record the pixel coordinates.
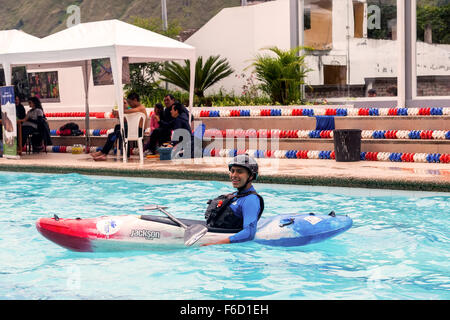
(193, 233)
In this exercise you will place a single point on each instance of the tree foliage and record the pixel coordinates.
(143, 76)
(438, 17)
(282, 75)
(435, 13)
(212, 71)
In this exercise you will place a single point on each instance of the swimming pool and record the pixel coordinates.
(398, 247)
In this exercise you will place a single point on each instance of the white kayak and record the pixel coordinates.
(147, 232)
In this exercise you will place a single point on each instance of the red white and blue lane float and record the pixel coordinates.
(297, 111)
(149, 232)
(293, 154)
(274, 111)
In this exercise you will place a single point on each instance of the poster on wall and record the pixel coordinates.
(19, 79)
(44, 85)
(9, 123)
(20, 82)
(102, 72)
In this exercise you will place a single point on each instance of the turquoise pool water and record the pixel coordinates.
(398, 247)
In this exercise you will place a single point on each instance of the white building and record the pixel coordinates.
(338, 29)
(345, 59)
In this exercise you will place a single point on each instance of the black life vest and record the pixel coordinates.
(219, 214)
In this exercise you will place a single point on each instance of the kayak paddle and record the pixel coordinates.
(192, 233)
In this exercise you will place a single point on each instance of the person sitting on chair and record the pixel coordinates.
(133, 101)
(20, 110)
(162, 134)
(156, 116)
(30, 124)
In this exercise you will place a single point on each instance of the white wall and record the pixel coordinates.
(238, 33)
(433, 59)
(71, 93)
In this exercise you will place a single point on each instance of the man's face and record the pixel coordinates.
(168, 102)
(132, 103)
(174, 113)
(238, 176)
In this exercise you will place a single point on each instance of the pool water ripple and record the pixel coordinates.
(398, 247)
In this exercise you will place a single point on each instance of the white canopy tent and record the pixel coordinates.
(112, 39)
(13, 41)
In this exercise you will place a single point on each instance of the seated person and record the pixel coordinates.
(30, 124)
(163, 133)
(181, 121)
(20, 110)
(158, 111)
(156, 116)
(133, 101)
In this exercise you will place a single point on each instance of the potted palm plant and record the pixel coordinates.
(206, 74)
(282, 73)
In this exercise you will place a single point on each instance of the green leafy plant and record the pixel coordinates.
(155, 25)
(281, 75)
(212, 71)
(438, 17)
(144, 76)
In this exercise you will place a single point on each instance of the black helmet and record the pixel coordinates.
(247, 162)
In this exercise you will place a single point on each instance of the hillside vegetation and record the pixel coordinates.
(44, 17)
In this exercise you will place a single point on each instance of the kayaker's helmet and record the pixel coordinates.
(247, 162)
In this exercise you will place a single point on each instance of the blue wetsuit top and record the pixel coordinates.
(247, 208)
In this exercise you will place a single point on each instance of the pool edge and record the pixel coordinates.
(311, 180)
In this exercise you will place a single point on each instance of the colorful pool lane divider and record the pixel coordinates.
(92, 132)
(278, 112)
(274, 112)
(326, 134)
(99, 115)
(296, 134)
(312, 154)
(288, 154)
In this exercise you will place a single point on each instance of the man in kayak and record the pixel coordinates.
(239, 210)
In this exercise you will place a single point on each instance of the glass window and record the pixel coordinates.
(355, 52)
(433, 47)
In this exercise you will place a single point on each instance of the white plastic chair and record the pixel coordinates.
(133, 121)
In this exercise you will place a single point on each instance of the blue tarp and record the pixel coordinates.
(324, 122)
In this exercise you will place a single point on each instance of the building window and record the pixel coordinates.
(319, 33)
(382, 19)
(334, 75)
(433, 48)
(358, 18)
(307, 19)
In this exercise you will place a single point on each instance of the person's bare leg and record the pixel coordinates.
(95, 154)
(101, 157)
